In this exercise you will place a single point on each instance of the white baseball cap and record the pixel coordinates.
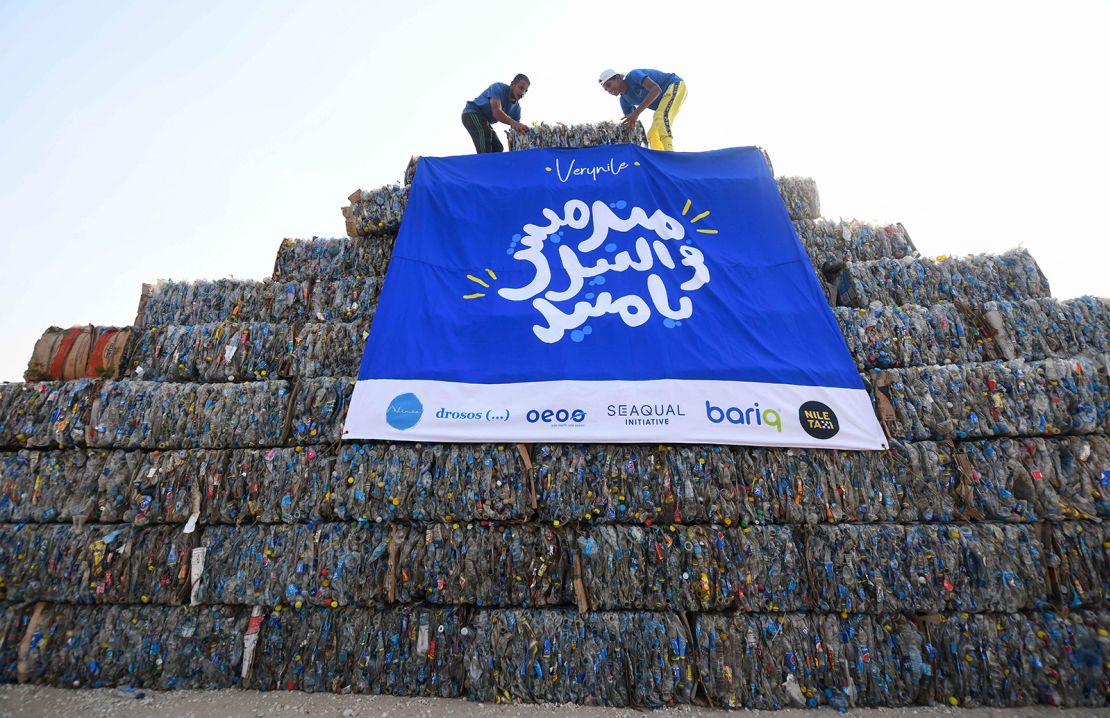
(605, 75)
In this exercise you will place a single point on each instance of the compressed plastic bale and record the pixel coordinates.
(1032, 479)
(1014, 398)
(1072, 661)
(166, 353)
(800, 196)
(319, 408)
(726, 485)
(63, 563)
(62, 643)
(759, 660)
(482, 564)
(160, 562)
(641, 484)
(923, 568)
(1080, 475)
(999, 567)
(146, 647)
(257, 565)
(167, 487)
(326, 259)
(252, 351)
(431, 482)
(225, 300)
(692, 568)
(835, 241)
(475, 482)
(101, 564)
(115, 473)
(875, 569)
(328, 349)
(346, 300)
(375, 212)
(872, 660)
(984, 659)
(815, 486)
(1081, 557)
(309, 650)
(327, 564)
(574, 136)
(558, 656)
(177, 648)
(45, 414)
(972, 280)
(352, 564)
(291, 485)
(14, 619)
(45, 486)
(385, 481)
(403, 651)
(884, 337)
(1091, 322)
(242, 415)
(1035, 329)
(157, 415)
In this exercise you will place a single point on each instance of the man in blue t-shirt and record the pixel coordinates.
(499, 103)
(639, 90)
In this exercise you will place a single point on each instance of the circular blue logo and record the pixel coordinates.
(404, 411)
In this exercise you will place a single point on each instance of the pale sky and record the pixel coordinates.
(181, 140)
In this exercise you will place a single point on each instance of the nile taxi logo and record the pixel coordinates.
(818, 420)
(404, 412)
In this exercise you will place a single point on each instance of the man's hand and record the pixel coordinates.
(630, 120)
(520, 127)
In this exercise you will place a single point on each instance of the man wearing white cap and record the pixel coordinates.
(639, 90)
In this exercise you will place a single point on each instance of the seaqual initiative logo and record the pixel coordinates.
(404, 412)
(818, 420)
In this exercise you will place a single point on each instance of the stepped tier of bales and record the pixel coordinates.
(182, 511)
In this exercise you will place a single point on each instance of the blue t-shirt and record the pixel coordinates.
(636, 92)
(497, 90)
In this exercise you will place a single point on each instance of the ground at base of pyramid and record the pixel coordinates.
(47, 702)
(242, 544)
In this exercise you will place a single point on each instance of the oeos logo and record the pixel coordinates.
(752, 416)
(556, 417)
(404, 412)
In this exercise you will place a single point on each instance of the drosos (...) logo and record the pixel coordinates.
(404, 412)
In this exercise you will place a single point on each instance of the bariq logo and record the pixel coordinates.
(752, 416)
(404, 412)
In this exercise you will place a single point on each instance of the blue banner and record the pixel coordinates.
(605, 294)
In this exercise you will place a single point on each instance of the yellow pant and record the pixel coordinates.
(659, 134)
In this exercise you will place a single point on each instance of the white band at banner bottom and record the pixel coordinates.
(656, 411)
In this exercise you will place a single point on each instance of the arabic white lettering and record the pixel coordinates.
(633, 309)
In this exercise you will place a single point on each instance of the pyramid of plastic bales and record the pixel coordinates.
(201, 523)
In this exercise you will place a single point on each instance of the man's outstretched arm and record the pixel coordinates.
(502, 116)
(653, 94)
